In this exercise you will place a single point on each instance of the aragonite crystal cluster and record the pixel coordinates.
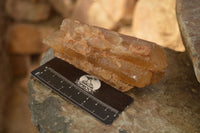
(122, 61)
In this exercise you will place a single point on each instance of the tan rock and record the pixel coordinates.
(26, 38)
(120, 60)
(20, 64)
(103, 13)
(91, 12)
(30, 10)
(155, 20)
(118, 10)
(49, 26)
(127, 30)
(64, 7)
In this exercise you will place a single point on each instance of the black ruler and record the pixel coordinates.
(92, 95)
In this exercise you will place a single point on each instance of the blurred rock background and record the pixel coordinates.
(25, 23)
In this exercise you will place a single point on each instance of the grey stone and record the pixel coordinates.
(188, 15)
(48, 56)
(169, 106)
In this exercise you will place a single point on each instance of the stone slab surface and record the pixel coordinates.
(188, 15)
(170, 106)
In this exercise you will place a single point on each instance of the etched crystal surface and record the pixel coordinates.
(121, 61)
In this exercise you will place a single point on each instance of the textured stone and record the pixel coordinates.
(121, 61)
(64, 7)
(29, 10)
(155, 20)
(103, 13)
(26, 39)
(188, 15)
(170, 106)
(20, 64)
(47, 56)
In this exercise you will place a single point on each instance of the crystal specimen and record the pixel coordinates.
(121, 61)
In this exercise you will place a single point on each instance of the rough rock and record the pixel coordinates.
(20, 64)
(91, 12)
(172, 105)
(26, 39)
(29, 10)
(155, 20)
(64, 7)
(188, 15)
(122, 61)
(103, 13)
(118, 10)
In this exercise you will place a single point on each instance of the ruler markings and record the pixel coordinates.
(63, 78)
(40, 75)
(68, 89)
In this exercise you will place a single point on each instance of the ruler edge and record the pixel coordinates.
(55, 57)
(73, 103)
(70, 101)
(61, 76)
(132, 99)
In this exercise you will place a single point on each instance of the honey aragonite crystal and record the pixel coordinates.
(122, 61)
